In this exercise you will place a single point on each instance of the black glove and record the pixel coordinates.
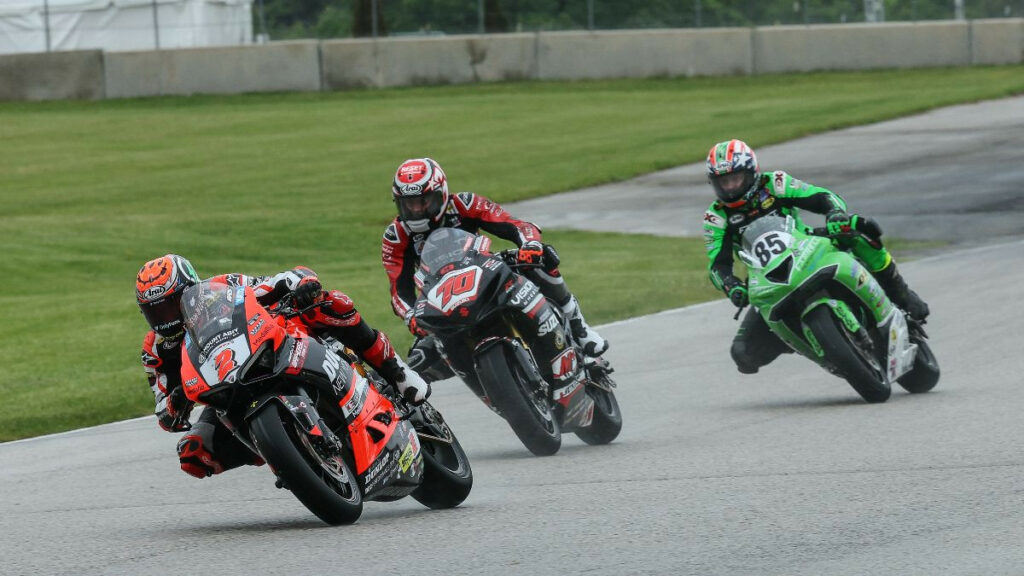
(737, 292)
(838, 222)
(307, 292)
(531, 252)
(174, 416)
(551, 259)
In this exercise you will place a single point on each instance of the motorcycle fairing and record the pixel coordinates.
(385, 448)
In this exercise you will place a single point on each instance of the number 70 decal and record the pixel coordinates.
(455, 288)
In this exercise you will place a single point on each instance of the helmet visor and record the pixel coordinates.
(732, 186)
(164, 315)
(424, 206)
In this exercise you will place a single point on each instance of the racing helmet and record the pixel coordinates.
(158, 288)
(732, 171)
(420, 191)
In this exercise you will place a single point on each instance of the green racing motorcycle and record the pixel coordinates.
(826, 305)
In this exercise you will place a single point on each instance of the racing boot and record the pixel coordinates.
(410, 385)
(593, 344)
(901, 295)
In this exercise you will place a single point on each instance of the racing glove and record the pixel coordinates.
(838, 222)
(308, 292)
(410, 323)
(531, 252)
(173, 411)
(736, 291)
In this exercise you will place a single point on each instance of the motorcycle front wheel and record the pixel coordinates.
(925, 373)
(855, 364)
(323, 482)
(529, 415)
(607, 422)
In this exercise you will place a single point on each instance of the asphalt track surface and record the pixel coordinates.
(786, 472)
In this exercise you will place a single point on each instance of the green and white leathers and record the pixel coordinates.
(824, 304)
(776, 193)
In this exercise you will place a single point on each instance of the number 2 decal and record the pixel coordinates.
(225, 363)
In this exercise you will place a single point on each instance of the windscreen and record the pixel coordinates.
(208, 308)
(444, 246)
(759, 227)
(766, 238)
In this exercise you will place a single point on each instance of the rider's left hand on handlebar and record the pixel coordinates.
(308, 292)
(531, 252)
(838, 222)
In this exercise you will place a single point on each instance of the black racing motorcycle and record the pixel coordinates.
(474, 303)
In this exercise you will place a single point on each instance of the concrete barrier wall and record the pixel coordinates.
(344, 64)
(860, 46)
(279, 67)
(441, 60)
(644, 53)
(53, 76)
(997, 41)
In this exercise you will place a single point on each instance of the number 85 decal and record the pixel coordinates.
(771, 245)
(455, 288)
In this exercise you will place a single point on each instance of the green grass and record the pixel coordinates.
(258, 184)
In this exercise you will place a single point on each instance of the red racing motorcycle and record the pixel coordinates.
(333, 431)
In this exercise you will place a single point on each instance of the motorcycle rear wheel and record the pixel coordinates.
(853, 363)
(925, 373)
(447, 475)
(328, 488)
(607, 422)
(530, 417)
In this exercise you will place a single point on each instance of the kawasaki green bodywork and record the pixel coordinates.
(791, 272)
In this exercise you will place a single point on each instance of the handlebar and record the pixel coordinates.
(285, 307)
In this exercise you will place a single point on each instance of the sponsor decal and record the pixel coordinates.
(567, 391)
(549, 325)
(713, 219)
(405, 461)
(191, 382)
(736, 218)
(331, 365)
(355, 403)
(780, 182)
(378, 466)
(391, 235)
(154, 292)
(559, 340)
(564, 365)
(862, 278)
(524, 294)
(410, 189)
(298, 356)
(256, 328)
(767, 203)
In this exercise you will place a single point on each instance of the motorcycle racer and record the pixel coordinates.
(210, 448)
(744, 194)
(420, 193)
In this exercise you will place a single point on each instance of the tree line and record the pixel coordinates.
(284, 19)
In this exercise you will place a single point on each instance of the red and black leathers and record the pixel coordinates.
(209, 448)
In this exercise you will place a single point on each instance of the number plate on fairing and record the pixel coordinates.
(455, 289)
(769, 245)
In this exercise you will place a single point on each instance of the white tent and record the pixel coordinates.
(112, 25)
